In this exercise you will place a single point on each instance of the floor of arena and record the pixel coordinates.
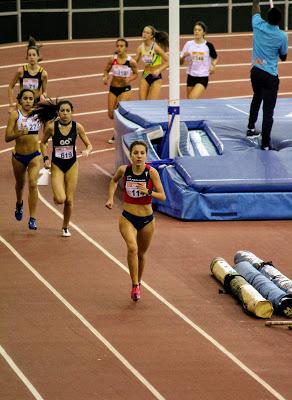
(68, 327)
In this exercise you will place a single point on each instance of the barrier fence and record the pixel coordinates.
(86, 19)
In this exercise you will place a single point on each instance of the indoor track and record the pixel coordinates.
(68, 329)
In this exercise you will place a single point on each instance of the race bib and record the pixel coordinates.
(147, 59)
(133, 191)
(64, 152)
(30, 83)
(197, 56)
(33, 124)
(122, 71)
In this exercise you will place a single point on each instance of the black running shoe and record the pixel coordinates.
(19, 211)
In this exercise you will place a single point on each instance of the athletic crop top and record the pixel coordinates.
(149, 57)
(121, 70)
(64, 146)
(33, 82)
(200, 58)
(31, 123)
(131, 194)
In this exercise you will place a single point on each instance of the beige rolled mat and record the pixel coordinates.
(249, 297)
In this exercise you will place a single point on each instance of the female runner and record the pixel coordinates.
(202, 59)
(141, 183)
(30, 76)
(26, 154)
(124, 70)
(152, 51)
(64, 167)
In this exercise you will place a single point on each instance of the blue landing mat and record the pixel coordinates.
(244, 182)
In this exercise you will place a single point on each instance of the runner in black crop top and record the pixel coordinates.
(34, 82)
(64, 150)
(64, 168)
(30, 76)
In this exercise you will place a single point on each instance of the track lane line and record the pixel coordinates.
(171, 307)
(19, 373)
(84, 321)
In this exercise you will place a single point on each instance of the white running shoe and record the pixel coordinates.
(65, 232)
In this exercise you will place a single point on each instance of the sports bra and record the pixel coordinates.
(121, 70)
(131, 194)
(28, 81)
(150, 57)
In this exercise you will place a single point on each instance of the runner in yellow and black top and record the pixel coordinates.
(30, 76)
(152, 51)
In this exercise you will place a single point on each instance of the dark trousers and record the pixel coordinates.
(265, 89)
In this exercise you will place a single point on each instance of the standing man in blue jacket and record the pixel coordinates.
(269, 45)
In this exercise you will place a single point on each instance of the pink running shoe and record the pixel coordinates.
(135, 293)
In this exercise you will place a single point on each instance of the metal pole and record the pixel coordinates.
(19, 28)
(229, 28)
(121, 19)
(174, 95)
(286, 15)
(69, 19)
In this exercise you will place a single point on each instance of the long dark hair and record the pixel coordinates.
(49, 110)
(160, 37)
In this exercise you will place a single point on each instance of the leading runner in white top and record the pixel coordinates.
(202, 59)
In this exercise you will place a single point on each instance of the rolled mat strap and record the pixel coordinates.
(282, 302)
(266, 268)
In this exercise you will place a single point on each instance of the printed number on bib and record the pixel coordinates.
(133, 191)
(197, 56)
(30, 83)
(122, 71)
(33, 124)
(147, 59)
(64, 152)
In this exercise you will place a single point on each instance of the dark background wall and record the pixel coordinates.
(48, 19)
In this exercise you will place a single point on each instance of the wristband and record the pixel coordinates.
(149, 192)
(45, 158)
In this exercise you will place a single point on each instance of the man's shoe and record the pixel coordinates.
(19, 211)
(253, 133)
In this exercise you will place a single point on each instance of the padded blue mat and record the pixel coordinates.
(244, 182)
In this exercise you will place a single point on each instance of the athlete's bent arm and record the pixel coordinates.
(11, 85)
(12, 131)
(114, 184)
(85, 140)
(44, 85)
(159, 193)
(48, 132)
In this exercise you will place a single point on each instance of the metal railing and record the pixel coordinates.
(230, 5)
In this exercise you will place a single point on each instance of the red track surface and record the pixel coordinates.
(164, 336)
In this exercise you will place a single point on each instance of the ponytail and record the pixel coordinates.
(48, 111)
